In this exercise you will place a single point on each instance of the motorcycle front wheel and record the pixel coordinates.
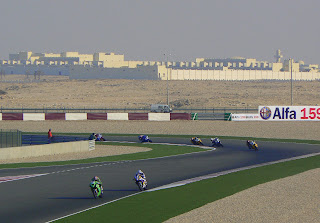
(140, 186)
(101, 194)
(95, 193)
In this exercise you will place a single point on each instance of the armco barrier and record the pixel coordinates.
(159, 116)
(12, 116)
(33, 116)
(47, 149)
(117, 116)
(55, 116)
(76, 116)
(138, 116)
(43, 139)
(179, 116)
(95, 116)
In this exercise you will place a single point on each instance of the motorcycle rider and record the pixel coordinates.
(97, 180)
(144, 138)
(250, 143)
(196, 139)
(99, 137)
(215, 141)
(139, 173)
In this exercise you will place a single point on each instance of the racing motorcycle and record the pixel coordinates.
(196, 141)
(253, 146)
(97, 189)
(141, 182)
(144, 138)
(216, 142)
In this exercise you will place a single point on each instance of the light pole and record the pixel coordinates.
(167, 88)
(167, 79)
(291, 83)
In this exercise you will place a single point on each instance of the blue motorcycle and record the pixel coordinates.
(144, 138)
(216, 142)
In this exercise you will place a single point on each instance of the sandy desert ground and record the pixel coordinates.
(59, 92)
(293, 199)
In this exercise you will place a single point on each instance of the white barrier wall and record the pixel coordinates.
(117, 116)
(46, 149)
(33, 116)
(92, 116)
(245, 117)
(159, 116)
(76, 116)
(239, 75)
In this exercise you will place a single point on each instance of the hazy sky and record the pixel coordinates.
(146, 29)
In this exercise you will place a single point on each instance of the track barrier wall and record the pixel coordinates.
(33, 116)
(94, 116)
(10, 138)
(245, 117)
(227, 117)
(46, 149)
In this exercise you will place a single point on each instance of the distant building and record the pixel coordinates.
(110, 65)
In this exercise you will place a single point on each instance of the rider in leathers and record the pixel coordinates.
(139, 173)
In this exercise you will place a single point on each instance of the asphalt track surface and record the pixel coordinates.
(65, 189)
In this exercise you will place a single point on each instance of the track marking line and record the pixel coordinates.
(21, 177)
(93, 207)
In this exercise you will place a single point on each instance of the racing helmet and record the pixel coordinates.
(140, 172)
(211, 139)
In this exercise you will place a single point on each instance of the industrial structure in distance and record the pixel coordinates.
(114, 66)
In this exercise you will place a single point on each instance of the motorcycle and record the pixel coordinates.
(216, 143)
(253, 146)
(99, 137)
(141, 182)
(97, 189)
(196, 142)
(144, 138)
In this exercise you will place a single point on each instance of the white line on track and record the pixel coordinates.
(21, 177)
(93, 207)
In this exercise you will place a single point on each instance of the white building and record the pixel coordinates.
(111, 65)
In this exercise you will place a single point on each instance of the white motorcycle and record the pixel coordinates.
(141, 182)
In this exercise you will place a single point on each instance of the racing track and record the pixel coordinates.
(65, 189)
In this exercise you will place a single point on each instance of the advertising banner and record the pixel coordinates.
(289, 113)
(245, 117)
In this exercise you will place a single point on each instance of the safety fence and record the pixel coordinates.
(10, 138)
(114, 116)
(28, 139)
(220, 110)
(94, 116)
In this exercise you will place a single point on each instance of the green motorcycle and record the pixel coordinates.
(97, 189)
